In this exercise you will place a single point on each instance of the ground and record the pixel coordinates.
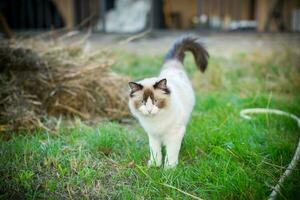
(219, 44)
(222, 156)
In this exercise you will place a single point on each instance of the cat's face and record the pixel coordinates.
(149, 100)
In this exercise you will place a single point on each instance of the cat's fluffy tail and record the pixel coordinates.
(189, 43)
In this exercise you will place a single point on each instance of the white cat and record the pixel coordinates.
(163, 104)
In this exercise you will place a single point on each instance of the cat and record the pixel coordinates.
(163, 104)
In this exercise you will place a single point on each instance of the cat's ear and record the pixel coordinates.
(135, 86)
(162, 84)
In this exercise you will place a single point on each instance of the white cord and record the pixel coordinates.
(244, 114)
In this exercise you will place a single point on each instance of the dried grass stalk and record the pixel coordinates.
(41, 79)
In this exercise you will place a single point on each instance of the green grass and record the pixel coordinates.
(222, 156)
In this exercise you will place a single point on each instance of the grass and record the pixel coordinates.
(222, 156)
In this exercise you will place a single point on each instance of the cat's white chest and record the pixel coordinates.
(158, 125)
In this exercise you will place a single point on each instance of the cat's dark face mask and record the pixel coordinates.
(149, 100)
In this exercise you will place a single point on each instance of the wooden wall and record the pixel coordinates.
(31, 14)
(234, 10)
(184, 10)
(264, 18)
(66, 10)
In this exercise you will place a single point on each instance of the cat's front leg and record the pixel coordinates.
(173, 144)
(155, 151)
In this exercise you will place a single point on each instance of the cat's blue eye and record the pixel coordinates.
(142, 102)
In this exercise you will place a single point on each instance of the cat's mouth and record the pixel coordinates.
(149, 112)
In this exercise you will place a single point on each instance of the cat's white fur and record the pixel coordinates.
(166, 127)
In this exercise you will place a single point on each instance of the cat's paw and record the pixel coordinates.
(168, 165)
(153, 163)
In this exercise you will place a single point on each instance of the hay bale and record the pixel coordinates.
(41, 79)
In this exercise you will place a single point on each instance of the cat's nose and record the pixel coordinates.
(149, 109)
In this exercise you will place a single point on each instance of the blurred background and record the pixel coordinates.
(131, 16)
(64, 72)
